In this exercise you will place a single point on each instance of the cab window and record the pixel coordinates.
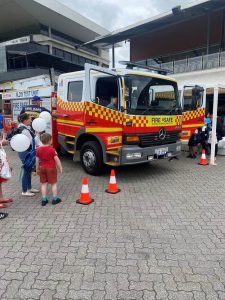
(75, 91)
(106, 87)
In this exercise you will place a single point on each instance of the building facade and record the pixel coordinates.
(45, 37)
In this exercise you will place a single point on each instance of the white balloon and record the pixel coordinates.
(45, 115)
(39, 125)
(20, 142)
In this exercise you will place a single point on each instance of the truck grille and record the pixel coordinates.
(152, 139)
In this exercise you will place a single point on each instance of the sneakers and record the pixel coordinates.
(3, 215)
(54, 202)
(58, 200)
(44, 202)
(34, 191)
(28, 194)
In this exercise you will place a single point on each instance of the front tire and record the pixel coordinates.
(91, 158)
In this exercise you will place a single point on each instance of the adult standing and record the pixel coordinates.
(25, 126)
(35, 108)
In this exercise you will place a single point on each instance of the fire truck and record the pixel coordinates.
(142, 125)
(193, 101)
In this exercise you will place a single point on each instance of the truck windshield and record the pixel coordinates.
(146, 95)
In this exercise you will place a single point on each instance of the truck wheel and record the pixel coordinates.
(91, 158)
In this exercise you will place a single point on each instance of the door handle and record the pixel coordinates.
(91, 122)
(62, 115)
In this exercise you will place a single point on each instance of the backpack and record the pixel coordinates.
(29, 161)
(17, 130)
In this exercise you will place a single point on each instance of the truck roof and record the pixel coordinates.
(120, 72)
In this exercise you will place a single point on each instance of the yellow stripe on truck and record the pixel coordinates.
(101, 129)
(69, 122)
(193, 125)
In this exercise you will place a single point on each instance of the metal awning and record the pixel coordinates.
(176, 16)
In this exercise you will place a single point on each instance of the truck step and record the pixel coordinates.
(71, 151)
(114, 164)
(113, 152)
(70, 142)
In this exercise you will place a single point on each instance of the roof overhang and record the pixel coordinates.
(176, 16)
(23, 17)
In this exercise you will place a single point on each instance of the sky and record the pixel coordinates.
(115, 14)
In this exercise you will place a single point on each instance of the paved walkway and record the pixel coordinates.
(162, 237)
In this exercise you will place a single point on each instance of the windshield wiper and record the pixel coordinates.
(153, 108)
(174, 108)
(146, 110)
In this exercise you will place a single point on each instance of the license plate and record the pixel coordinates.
(161, 151)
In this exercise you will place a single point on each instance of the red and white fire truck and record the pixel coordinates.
(145, 124)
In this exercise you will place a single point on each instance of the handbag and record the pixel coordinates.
(5, 171)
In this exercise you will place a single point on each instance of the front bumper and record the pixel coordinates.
(148, 153)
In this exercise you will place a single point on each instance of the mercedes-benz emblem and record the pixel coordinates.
(162, 134)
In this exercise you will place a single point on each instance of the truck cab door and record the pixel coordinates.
(100, 85)
(101, 117)
(90, 72)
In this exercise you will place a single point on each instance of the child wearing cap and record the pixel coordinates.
(46, 162)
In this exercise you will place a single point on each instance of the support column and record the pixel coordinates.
(214, 122)
(50, 35)
(113, 56)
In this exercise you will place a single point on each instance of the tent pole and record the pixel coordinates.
(214, 122)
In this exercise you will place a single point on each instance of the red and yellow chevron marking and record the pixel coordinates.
(136, 121)
(104, 113)
(189, 115)
(70, 106)
(96, 111)
(179, 120)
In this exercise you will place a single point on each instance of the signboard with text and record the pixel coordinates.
(42, 92)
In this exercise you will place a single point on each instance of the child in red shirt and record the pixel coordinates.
(46, 162)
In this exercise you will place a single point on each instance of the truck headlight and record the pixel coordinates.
(135, 155)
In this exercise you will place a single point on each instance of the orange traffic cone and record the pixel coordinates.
(112, 187)
(85, 197)
(203, 161)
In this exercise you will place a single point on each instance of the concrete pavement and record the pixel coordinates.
(162, 237)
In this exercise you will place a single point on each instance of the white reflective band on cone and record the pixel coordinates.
(85, 189)
(112, 179)
(203, 156)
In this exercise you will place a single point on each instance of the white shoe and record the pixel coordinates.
(34, 191)
(28, 194)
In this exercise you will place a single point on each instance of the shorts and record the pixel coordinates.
(48, 175)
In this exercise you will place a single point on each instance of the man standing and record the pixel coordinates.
(35, 109)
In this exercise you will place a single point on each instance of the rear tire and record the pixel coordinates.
(91, 158)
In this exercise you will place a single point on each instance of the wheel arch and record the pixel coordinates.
(83, 137)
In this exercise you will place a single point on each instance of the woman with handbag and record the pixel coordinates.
(3, 202)
(25, 126)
